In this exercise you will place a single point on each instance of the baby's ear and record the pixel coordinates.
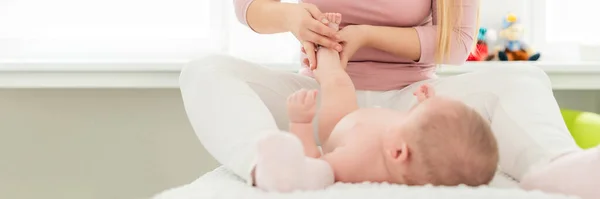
(399, 153)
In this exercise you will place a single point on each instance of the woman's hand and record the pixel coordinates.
(353, 37)
(309, 25)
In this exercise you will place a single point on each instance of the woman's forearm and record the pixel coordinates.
(402, 42)
(267, 16)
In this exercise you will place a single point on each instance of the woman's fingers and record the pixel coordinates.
(306, 62)
(315, 13)
(324, 30)
(309, 48)
(323, 41)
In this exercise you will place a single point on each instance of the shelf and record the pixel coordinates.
(164, 74)
(564, 76)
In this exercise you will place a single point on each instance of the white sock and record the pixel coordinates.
(282, 166)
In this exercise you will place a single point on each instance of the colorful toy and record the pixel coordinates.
(514, 48)
(481, 51)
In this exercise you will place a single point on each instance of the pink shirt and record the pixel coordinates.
(372, 69)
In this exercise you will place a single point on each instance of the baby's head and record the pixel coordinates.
(443, 142)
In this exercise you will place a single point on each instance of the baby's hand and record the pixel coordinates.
(425, 91)
(302, 105)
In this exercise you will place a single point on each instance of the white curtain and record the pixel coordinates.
(133, 30)
(573, 21)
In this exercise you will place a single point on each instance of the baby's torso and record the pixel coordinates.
(372, 69)
(363, 127)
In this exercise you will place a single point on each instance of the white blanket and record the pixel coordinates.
(221, 183)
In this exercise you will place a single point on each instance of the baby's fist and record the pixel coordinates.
(425, 91)
(302, 105)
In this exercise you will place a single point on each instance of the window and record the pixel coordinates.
(107, 29)
(183, 29)
(573, 21)
(132, 30)
(281, 49)
(566, 30)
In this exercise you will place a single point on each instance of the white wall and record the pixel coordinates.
(77, 144)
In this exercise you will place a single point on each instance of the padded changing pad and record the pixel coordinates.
(221, 183)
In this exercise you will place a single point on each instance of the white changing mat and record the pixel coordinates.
(221, 183)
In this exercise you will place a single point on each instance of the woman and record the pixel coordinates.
(231, 103)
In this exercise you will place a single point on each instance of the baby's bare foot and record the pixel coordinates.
(334, 20)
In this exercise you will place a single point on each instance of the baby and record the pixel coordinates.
(440, 141)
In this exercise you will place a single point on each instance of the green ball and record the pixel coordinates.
(584, 127)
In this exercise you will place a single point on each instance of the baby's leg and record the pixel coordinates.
(328, 57)
(577, 173)
(282, 167)
(338, 97)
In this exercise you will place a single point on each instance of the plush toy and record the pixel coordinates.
(514, 48)
(481, 51)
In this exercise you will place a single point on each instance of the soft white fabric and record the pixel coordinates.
(231, 103)
(223, 184)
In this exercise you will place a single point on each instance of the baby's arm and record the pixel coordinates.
(424, 92)
(301, 107)
(338, 97)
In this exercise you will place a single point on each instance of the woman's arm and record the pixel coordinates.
(403, 42)
(419, 43)
(262, 16)
(305, 21)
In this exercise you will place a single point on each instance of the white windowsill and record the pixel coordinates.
(164, 74)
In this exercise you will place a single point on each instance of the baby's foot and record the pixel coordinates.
(279, 163)
(319, 174)
(334, 20)
(424, 92)
(577, 174)
(282, 166)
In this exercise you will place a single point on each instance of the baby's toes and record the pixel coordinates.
(338, 18)
(330, 17)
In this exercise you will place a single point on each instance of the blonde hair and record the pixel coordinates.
(449, 14)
